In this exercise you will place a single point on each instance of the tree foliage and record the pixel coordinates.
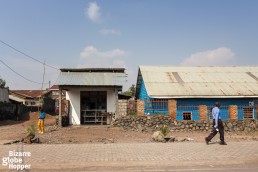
(130, 91)
(2, 83)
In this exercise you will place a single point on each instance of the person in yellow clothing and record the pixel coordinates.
(42, 116)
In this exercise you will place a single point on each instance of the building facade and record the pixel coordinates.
(32, 98)
(193, 87)
(92, 93)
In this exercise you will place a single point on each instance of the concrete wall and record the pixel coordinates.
(73, 95)
(121, 108)
(112, 97)
(4, 95)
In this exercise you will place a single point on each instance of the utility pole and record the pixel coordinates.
(60, 108)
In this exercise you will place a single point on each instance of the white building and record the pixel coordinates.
(92, 93)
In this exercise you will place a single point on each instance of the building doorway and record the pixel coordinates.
(93, 107)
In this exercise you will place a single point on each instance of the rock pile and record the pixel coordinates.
(155, 122)
(142, 123)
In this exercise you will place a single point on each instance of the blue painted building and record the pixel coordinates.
(195, 86)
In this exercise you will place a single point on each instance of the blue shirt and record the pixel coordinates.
(216, 115)
(42, 115)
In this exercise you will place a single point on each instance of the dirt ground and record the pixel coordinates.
(15, 130)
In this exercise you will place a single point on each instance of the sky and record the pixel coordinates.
(127, 33)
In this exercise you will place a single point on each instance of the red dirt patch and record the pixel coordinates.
(13, 130)
(32, 117)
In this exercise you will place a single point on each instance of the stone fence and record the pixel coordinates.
(155, 122)
(170, 107)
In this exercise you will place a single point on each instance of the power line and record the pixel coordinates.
(20, 74)
(43, 79)
(27, 55)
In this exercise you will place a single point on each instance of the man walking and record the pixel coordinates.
(217, 125)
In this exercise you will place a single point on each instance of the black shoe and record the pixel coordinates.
(222, 143)
(206, 140)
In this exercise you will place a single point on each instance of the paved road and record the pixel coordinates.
(185, 156)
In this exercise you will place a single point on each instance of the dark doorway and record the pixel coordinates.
(93, 106)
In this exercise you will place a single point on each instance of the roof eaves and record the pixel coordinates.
(107, 70)
(208, 96)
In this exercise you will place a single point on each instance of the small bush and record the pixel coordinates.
(165, 130)
(30, 130)
(134, 113)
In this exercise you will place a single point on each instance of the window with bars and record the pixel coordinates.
(156, 106)
(248, 112)
(187, 115)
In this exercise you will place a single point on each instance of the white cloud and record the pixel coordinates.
(97, 62)
(91, 57)
(92, 52)
(109, 32)
(217, 57)
(93, 12)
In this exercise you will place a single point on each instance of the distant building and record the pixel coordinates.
(191, 87)
(28, 97)
(54, 92)
(92, 92)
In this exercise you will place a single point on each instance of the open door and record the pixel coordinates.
(93, 106)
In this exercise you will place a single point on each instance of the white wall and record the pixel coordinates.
(112, 96)
(73, 95)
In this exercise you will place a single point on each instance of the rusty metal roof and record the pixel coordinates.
(203, 82)
(31, 94)
(79, 78)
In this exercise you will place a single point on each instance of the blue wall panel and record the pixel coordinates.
(143, 95)
(255, 109)
(191, 105)
(185, 104)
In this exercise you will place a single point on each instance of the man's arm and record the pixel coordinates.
(216, 117)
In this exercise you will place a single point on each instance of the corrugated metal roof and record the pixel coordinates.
(169, 81)
(29, 93)
(111, 70)
(90, 79)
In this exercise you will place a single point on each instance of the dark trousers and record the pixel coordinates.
(214, 131)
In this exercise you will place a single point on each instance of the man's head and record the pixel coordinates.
(217, 104)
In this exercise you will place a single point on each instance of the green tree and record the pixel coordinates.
(130, 91)
(2, 83)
